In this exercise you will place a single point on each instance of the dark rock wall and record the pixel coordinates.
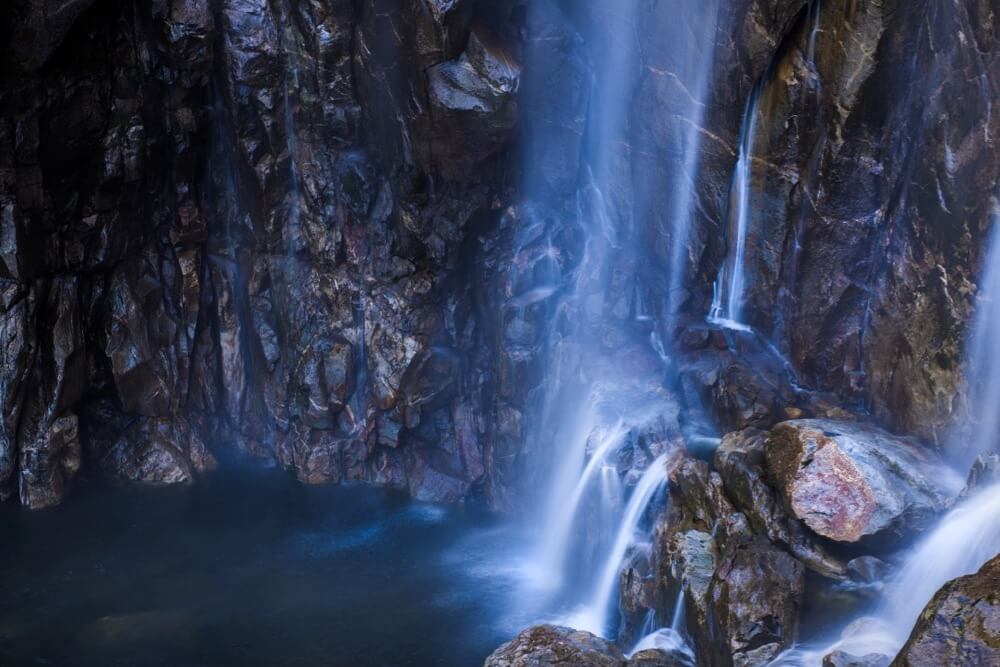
(309, 231)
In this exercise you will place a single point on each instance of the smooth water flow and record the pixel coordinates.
(684, 186)
(728, 292)
(672, 639)
(595, 617)
(557, 543)
(966, 538)
(983, 364)
(814, 13)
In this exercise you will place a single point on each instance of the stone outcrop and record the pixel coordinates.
(544, 645)
(960, 625)
(848, 482)
(550, 645)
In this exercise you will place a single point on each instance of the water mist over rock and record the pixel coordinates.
(699, 294)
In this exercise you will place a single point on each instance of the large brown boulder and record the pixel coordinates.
(740, 460)
(960, 625)
(849, 481)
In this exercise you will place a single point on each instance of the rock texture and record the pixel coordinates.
(961, 625)
(545, 645)
(847, 481)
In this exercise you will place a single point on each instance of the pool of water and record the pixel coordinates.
(252, 568)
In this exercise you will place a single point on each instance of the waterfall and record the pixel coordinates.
(983, 364)
(683, 186)
(814, 12)
(728, 291)
(594, 617)
(557, 541)
(966, 537)
(670, 639)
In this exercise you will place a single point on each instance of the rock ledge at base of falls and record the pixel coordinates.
(960, 625)
(849, 481)
(544, 645)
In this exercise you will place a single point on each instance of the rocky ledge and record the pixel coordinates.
(960, 626)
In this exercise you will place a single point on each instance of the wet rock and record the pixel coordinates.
(960, 625)
(985, 472)
(473, 103)
(545, 645)
(49, 463)
(844, 659)
(154, 451)
(40, 28)
(868, 569)
(740, 460)
(849, 482)
(635, 595)
(658, 658)
(755, 598)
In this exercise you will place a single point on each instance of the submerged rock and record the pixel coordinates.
(960, 625)
(849, 482)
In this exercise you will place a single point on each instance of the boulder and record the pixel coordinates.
(740, 460)
(755, 598)
(850, 482)
(844, 659)
(658, 658)
(545, 645)
(960, 625)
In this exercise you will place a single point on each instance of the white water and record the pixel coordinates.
(670, 639)
(728, 292)
(984, 363)
(814, 11)
(594, 618)
(684, 185)
(559, 538)
(966, 538)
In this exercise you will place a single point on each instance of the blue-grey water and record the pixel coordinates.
(252, 568)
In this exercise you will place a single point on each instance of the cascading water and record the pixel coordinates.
(965, 539)
(728, 291)
(581, 415)
(672, 639)
(595, 617)
(983, 364)
(557, 542)
(969, 535)
(684, 185)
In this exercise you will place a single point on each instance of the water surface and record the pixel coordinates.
(252, 568)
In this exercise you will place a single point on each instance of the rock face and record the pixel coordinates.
(961, 625)
(848, 482)
(754, 601)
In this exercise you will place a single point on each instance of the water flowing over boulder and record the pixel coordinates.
(849, 482)
(960, 626)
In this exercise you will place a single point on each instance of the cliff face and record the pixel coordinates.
(329, 233)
